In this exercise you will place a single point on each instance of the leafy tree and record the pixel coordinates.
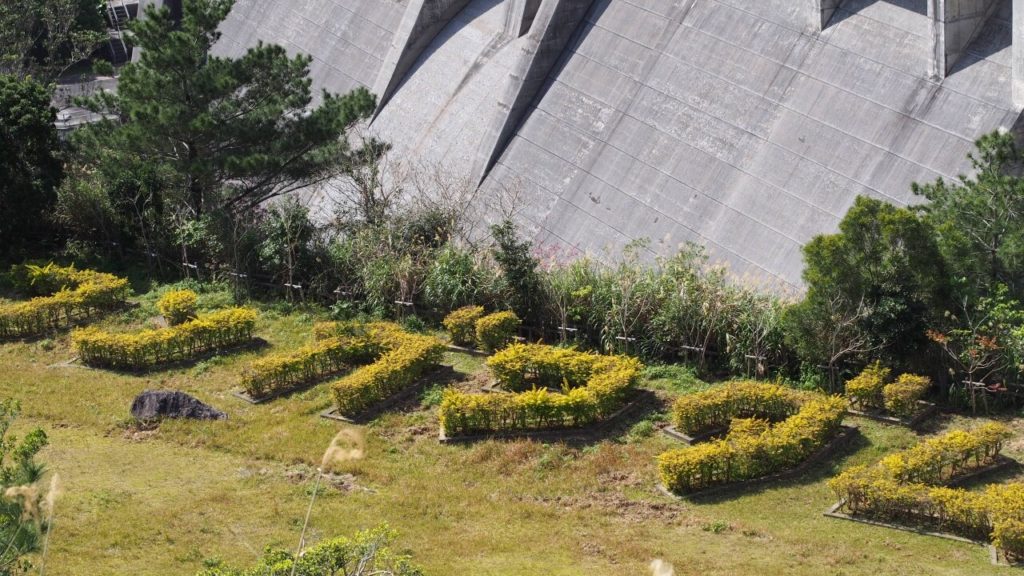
(977, 218)
(368, 553)
(21, 521)
(43, 38)
(881, 278)
(227, 134)
(30, 166)
(519, 269)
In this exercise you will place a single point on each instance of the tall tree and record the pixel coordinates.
(882, 273)
(977, 218)
(30, 166)
(237, 132)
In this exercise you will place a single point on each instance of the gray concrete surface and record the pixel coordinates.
(746, 126)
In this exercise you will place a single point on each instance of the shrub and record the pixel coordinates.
(336, 347)
(497, 330)
(405, 359)
(901, 396)
(73, 294)
(178, 306)
(592, 388)
(865, 391)
(147, 348)
(714, 409)
(911, 486)
(461, 324)
(754, 449)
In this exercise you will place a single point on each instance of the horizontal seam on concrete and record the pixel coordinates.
(768, 142)
(860, 14)
(559, 197)
(783, 105)
(817, 38)
(673, 178)
(347, 41)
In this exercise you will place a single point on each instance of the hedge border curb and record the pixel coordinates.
(928, 411)
(634, 404)
(674, 433)
(843, 437)
(1004, 462)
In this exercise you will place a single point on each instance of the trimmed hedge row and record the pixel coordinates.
(405, 358)
(872, 389)
(910, 486)
(593, 387)
(753, 448)
(137, 350)
(468, 326)
(337, 347)
(714, 409)
(69, 294)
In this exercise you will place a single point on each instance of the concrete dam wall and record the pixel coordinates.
(747, 126)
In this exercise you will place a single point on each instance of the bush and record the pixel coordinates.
(495, 331)
(178, 306)
(714, 409)
(461, 324)
(865, 391)
(753, 449)
(871, 390)
(219, 329)
(368, 552)
(73, 294)
(405, 359)
(901, 396)
(910, 486)
(592, 388)
(336, 347)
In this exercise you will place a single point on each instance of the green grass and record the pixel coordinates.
(161, 502)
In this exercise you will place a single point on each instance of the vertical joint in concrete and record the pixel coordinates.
(1018, 54)
(955, 24)
(822, 11)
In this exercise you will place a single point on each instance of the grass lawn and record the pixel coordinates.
(164, 501)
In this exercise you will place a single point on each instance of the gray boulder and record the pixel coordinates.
(153, 404)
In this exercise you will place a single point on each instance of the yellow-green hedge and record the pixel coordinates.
(137, 350)
(461, 324)
(178, 306)
(909, 487)
(495, 331)
(714, 409)
(753, 449)
(405, 358)
(872, 390)
(593, 387)
(71, 294)
(337, 347)
(865, 390)
(900, 398)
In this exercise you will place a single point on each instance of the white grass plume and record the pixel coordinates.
(662, 568)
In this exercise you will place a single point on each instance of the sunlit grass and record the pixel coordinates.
(161, 502)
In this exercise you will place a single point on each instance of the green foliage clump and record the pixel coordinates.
(461, 324)
(178, 306)
(497, 330)
(22, 502)
(30, 161)
(368, 553)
